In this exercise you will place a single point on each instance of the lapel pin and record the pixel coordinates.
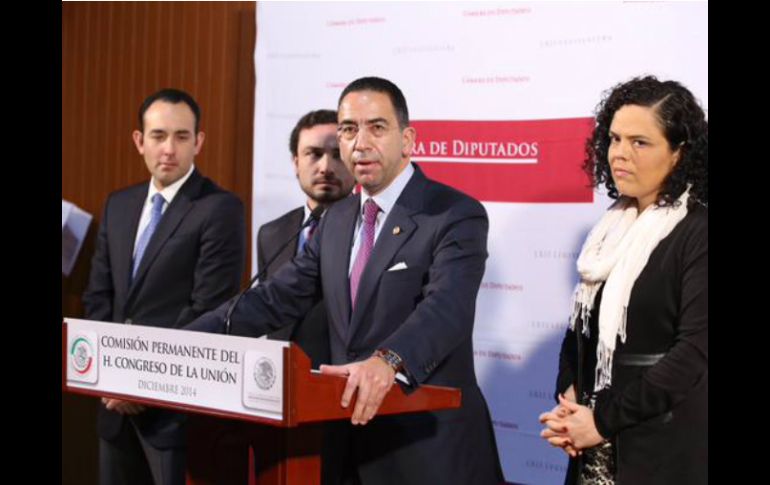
(396, 231)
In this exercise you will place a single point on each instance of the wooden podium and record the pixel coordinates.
(285, 451)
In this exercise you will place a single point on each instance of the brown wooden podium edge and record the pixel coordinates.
(305, 386)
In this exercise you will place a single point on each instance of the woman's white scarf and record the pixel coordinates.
(616, 251)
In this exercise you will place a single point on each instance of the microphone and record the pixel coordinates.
(315, 215)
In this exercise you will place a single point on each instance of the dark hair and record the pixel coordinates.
(380, 85)
(320, 117)
(683, 123)
(173, 96)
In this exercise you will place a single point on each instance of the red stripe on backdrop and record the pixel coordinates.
(508, 161)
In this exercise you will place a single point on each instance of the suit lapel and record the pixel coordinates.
(284, 232)
(388, 243)
(337, 239)
(181, 205)
(125, 237)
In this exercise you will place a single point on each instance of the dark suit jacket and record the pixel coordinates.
(425, 313)
(192, 264)
(656, 415)
(312, 333)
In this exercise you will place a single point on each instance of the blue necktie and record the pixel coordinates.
(306, 239)
(144, 239)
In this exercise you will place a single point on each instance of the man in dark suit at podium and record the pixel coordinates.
(167, 251)
(399, 267)
(324, 179)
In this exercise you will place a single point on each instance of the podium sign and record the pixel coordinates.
(235, 375)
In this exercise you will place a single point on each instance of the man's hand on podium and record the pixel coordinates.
(372, 377)
(122, 407)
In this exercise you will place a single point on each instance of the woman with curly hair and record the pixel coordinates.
(632, 386)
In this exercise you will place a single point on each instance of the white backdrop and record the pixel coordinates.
(522, 76)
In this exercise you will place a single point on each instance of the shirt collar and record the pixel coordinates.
(169, 192)
(386, 199)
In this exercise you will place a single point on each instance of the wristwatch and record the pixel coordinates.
(391, 358)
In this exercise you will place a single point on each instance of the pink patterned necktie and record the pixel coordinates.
(365, 250)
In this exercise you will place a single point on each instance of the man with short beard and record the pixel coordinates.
(324, 178)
